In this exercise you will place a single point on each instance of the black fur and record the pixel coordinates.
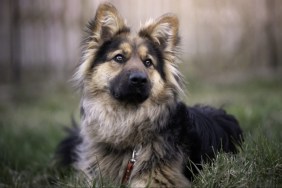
(156, 52)
(107, 47)
(66, 151)
(126, 87)
(210, 130)
(199, 131)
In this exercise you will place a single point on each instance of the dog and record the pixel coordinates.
(134, 129)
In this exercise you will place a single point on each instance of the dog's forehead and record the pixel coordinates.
(135, 45)
(126, 47)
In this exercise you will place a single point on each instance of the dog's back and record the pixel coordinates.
(216, 129)
(211, 130)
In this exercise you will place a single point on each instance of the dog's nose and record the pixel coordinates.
(138, 79)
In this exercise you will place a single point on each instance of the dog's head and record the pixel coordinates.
(130, 69)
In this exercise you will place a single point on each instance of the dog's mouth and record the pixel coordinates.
(135, 95)
(134, 88)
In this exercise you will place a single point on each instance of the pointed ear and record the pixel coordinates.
(106, 23)
(163, 31)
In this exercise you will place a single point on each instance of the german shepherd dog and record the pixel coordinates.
(135, 131)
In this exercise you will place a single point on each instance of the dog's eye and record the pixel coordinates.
(148, 62)
(119, 58)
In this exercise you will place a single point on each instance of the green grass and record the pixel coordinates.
(257, 103)
(32, 117)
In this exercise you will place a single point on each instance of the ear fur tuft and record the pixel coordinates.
(163, 31)
(106, 23)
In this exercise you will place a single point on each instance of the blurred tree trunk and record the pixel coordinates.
(270, 34)
(15, 42)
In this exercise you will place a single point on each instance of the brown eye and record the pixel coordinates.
(148, 63)
(119, 58)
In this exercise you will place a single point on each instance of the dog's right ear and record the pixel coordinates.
(106, 24)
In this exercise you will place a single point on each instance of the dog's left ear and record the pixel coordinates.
(163, 31)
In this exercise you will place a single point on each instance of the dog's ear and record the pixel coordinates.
(164, 34)
(163, 31)
(107, 23)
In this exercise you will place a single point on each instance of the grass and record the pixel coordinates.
(32, 117)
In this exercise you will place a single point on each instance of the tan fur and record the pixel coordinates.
(165, 27)
(108, 123)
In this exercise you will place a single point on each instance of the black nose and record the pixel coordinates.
(138, 79)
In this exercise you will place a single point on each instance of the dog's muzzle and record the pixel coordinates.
(131, 87)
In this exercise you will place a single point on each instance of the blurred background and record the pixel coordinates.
(232, 58)
(39, 37)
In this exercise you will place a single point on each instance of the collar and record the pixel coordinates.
(130, 166)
